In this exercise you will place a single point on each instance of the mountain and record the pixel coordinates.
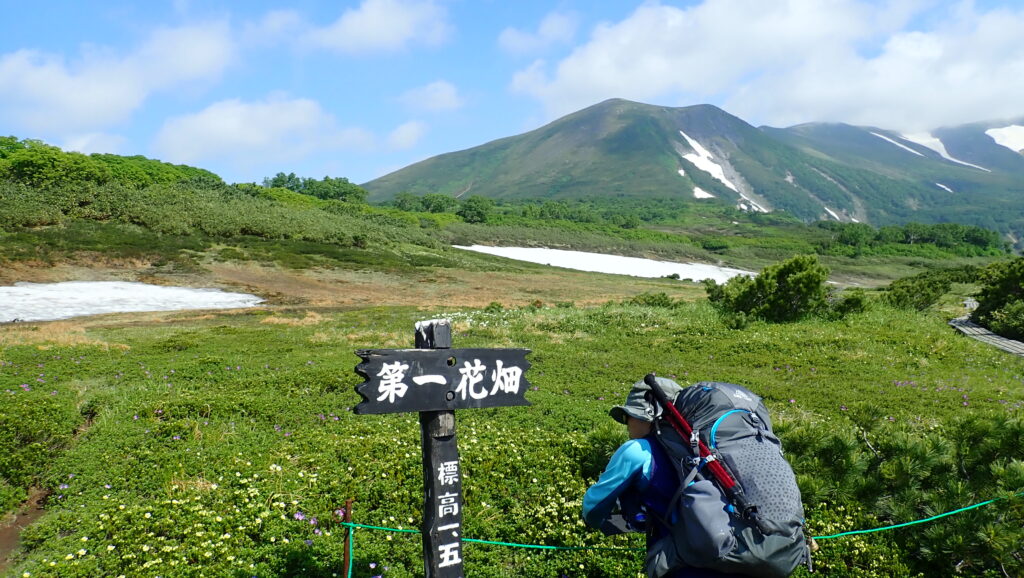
(973, 174)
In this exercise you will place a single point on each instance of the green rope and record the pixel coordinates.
(351, 526)
(922, 521)
(539, 547)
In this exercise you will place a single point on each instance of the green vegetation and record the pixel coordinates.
(39, 165)
(858, 239)
(223, 444)
(1001, 299)
(788, 291)
(921, 291)
(327, 188)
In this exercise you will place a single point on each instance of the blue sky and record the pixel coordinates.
(358, 89)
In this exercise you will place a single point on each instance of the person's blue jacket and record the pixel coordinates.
(638, 474)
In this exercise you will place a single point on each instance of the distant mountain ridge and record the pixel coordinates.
(971, 174)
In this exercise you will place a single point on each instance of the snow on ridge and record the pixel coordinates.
(704, 161)
(701, 193)
(902, 146)
(932, 142)
(944, 187)
(744, 200)
(1011, 137)
(833, 213)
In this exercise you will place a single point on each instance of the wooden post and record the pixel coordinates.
(347, 518)
(434, 380)
(442, 480)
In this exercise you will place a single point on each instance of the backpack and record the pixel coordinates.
(756, 528)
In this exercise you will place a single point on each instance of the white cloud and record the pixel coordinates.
(901, 64)
(47, 92)
(556, 28)
(437, 96)
(94, 142)
(407, 135)
(249, 134)
(275, 26)
(384, 25)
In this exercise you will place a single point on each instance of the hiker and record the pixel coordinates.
(639, 481)
(704, 475)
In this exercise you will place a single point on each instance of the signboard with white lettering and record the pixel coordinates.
(403, 380)
(435, 380)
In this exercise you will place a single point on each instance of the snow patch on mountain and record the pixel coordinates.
(833, 213)
(902, 146)
(701, 193)
(1011, 137)
(705, 161)
(747, 204)
(944, 187)
(932, 142)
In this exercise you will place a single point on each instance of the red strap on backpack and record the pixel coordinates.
(718, 472)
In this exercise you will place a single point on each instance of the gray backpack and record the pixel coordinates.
(706, 529)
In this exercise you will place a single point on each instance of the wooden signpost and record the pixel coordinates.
(435, 380)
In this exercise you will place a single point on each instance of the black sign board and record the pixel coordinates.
(435, 380)
(404, 380)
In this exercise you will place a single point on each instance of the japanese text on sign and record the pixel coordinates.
(502, 379)
(448, 507)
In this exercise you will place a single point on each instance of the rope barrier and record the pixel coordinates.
(352, 526)
(922, 521)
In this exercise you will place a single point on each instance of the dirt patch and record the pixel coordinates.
(52, 334)
(287, 288)
(12, 526)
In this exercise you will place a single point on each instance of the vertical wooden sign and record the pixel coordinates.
(442, 480)
(435, 380)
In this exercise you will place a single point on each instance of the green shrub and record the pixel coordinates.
(787, 291)
(921, 291)
(848, 303)
(653, 300)
(1001, 299)
(1008, 321)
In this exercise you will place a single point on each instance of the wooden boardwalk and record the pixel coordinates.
(978, 332)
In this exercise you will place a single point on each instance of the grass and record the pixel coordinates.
(214, 440)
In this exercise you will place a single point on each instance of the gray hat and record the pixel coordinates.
(637, 404)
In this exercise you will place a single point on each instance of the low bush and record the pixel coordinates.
(787, 291)
(1001, 299)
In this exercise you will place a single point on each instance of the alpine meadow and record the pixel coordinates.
(223, 442)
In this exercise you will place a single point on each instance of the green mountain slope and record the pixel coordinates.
(703, 155)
